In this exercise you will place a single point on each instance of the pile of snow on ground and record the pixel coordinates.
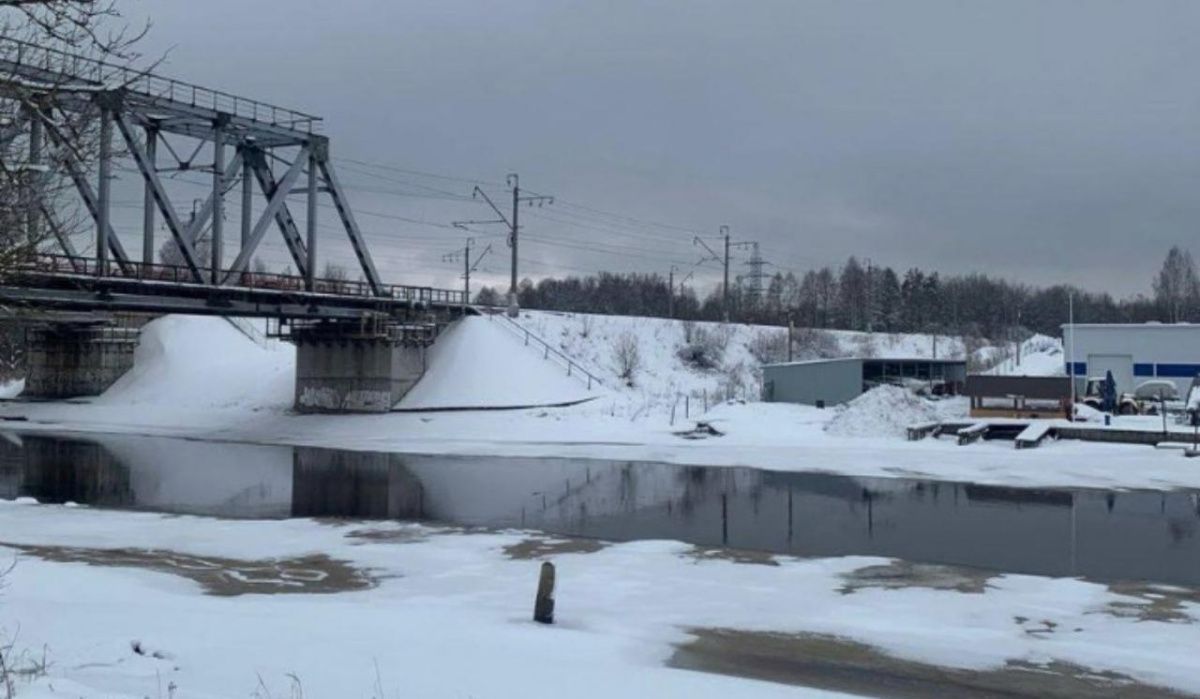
(187, 362)
(883, 411)
(1041, 355)
(192, 362)
(479, 363)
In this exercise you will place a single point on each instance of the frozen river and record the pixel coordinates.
(1096, 534)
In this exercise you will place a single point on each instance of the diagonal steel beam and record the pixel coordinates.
(274, 204)
(90, 202)
(86, 193)
(64, 240)
(104, 190)
(347, 216)
(204, 213)
(150, 175)
(283, 218)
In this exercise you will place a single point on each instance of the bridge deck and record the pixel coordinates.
(73, 283)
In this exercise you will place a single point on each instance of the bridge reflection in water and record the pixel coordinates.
(1097, 534)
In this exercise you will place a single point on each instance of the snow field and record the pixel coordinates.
(592, 338)
(450, 615)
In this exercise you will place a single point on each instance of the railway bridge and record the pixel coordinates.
(360, 343)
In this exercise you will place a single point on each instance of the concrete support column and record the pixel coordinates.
(341, 369)
(69, 361)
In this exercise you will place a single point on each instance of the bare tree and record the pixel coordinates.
(335, 277)
(769, 346)
(1176, 287)
(39, 142)
(627, 356)
(169, 253)
(334, 272)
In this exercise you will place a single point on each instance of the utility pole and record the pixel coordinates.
(671, 292)
(514, 181)
(724, 260)
(870, 296)
(725, 289)
(468, 265)
(755, 260)
(791, 336)
(1071, 350)
(671, 288)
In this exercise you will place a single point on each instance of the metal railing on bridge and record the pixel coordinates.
(52, 65)
(53, 265)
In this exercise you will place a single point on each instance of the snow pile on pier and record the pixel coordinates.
(191, 362)
(883, 411)
(198, 363)
(479, 362)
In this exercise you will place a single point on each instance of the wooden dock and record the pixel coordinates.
(1028, 434)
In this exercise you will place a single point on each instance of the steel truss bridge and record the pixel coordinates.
(72, 112)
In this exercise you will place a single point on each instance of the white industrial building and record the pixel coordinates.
(1133, 352)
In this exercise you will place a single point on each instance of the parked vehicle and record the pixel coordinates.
(1093, 397)
(1148, 398)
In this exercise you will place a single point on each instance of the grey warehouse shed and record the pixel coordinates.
(832, 381)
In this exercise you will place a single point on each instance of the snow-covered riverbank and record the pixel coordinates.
(133, 605)
(199, 377)
(121, 604)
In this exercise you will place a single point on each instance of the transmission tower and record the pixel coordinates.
(757, 278)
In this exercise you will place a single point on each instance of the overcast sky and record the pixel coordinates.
(1040, 141)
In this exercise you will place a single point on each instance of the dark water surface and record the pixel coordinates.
(1047, 531)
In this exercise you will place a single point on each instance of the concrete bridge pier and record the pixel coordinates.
(70, 360)
(361, 366)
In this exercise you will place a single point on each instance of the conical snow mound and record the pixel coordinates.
(477, 363)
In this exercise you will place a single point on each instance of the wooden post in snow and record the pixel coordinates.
(543, 605)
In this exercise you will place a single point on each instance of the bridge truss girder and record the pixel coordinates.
(143, 109)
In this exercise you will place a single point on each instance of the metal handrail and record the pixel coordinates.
(50, 263)
(142, 82)
(548, 349)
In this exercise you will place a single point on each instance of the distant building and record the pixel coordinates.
(833, 381)
(1133, 352)
(1018, 396)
